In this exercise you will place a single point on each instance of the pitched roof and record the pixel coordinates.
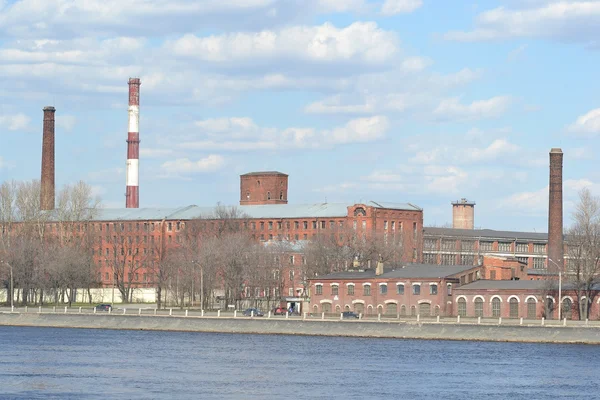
(410, 271)
(274, 211)
(485, 234)
(519, 285)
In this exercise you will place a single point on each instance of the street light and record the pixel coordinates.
(559, 287)
(12, 290)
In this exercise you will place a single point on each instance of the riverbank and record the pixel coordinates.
(397, 330)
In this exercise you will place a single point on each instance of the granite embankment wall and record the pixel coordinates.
(402, 330)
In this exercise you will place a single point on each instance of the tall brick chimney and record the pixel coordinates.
(47, 179)
(463, 214)
(555, 211)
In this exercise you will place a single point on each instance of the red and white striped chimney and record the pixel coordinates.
(132, 195)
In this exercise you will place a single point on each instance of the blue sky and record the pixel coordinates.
(391, 100)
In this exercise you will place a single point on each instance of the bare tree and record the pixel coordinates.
(583, 262)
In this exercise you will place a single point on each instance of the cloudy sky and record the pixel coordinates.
(417, 101)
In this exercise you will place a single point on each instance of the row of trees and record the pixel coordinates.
(34, 259)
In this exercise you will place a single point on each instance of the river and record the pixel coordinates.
(48, 363)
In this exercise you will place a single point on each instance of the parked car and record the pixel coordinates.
(279, 311)
(103, 307)
(349, 315)
(253, 311)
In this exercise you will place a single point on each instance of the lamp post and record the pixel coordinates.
(559, 287)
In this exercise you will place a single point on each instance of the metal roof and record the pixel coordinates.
(485, 234)
(410, 271)
(519, 285)
(260, 173)
(274, 211)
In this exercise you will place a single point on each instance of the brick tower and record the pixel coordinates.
(267, 187)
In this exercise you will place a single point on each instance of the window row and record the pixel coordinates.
(383, 289)
(390, 310)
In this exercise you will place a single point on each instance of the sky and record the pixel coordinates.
(417, 101)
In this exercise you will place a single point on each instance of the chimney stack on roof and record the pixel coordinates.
(47, 189)
(555, 211)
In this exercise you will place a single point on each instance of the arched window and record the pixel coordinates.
(316, 309)
(392, 309)
(496, 307)
(369, 310)
(479, 307)
(379, 309)
(359, 211)
(247, 195)
(403, 310)
(531, 308)
(257, 183)
(567, 308)
(413, 311)
(425, 309)
(583, 308)
(513, 308)
(347, 308)
(436, 311)
(462, 307)
(338, 309)
(268, 195)
(359, 308)
(280, 195)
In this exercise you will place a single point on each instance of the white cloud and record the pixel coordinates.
(336, 105)
(362, 42)
(185, 166)
(453, 109)
(15, 122)
(339, 6)
(588, 123)
(242, 134)
(66, 122)
(564, 20)
(392, 7)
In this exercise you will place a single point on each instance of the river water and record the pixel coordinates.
(46, 363)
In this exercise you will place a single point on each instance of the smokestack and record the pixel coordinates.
(47, 179)
(132, 195)
(555, 211)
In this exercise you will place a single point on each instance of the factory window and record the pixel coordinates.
(145, 277)
(322, 224)
(479, 307)
(262, 226)
(449, 289)
(305, 224)
(122, 227)
(414, 257)
(331, 224)
(152, 239)
(351, 289)
(462, 307)
(318, 290)
(178, 226)
(367, 290)
(416, 289)
(106, 276)
(253, 226)
(513, 308)
(385, 225)
(539, 263)
(429, 258)
(107, 227)
(496, 307)
(169, 226)
(107, 251)
(268, 195)
(314, 224)
(522, 248)
(247, 195)
(270, 236)
(448, 244)
(467, 259)
(137, 226)
(539, 248)
(257, 183)
(128, 252)
(430, 244)
(531, 308)
(153, 227)
(504, 246)
(383, 289)
(288, 225)
(433, 289)
(448, 259)
(467, 245)
(130, 239)
(279, 225)
(400, 289)
(296, 225)
(335, 290)
(280, 195)
(270, 225)
(524, 260)
(137, 239)
(414, 230)
(485, 246)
